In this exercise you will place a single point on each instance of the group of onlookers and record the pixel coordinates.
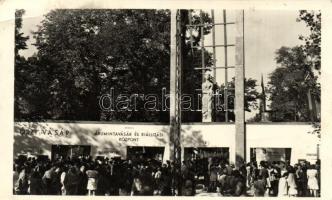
(87, 176)
(216, 177)
(272, 179)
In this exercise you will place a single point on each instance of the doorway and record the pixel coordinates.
(69, 151)
(143, 153)
(278, 155)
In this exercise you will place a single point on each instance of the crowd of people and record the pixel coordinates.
(87, 176)
(282, 179)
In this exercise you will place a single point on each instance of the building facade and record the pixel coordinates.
(291, 142)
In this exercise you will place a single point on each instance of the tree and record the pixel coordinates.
(82, 54)
(21, 106)
(312, 47)
(20, 39)
(250, 98)
(295, 80)
(192, 58)
(289, 85)
(31, 90)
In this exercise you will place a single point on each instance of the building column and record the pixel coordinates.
(175, 95)
(240, 143)
(173, 88)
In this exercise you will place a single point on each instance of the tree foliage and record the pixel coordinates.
(289, 85)
(295, 78)
(20, 39)
(192, 58)
(21, 105)
(250, 98)
(312, 46)
(82, 54)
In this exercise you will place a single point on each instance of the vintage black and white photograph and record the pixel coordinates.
(167, 102)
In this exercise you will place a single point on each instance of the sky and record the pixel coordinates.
(265, 31)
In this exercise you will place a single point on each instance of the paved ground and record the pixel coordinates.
(206, 194)
(203, 193)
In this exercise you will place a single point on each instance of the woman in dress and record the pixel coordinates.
(62, 181)
(313, 187)
(292, 187)
(92, 182)
(22, 183)
(283, 186)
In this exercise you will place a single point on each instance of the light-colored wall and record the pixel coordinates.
(210, 135)
(269, 135)
(85, 134)
(295, 136)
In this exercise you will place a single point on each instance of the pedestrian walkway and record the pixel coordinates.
(204, 193)
(209, 194)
